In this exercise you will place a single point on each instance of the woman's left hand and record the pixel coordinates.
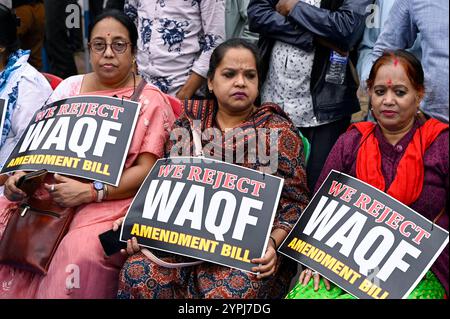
(268, 263)
(68, 192)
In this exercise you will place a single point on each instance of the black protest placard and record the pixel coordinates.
(84, 136)
(365, 241)
(2, 113)
(205, 209)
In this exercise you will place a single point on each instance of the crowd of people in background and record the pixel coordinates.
(305, 66)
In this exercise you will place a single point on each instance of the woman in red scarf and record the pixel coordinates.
(403, 154)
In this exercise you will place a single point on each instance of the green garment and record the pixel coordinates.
(428, 288)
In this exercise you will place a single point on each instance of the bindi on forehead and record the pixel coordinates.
(395, 62)
(389, 82)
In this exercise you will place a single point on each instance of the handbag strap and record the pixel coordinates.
(137, 93)
(165, 264)
(198, 149)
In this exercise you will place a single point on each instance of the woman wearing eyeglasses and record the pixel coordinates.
(79, 268)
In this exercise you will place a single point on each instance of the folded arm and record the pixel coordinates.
(265, 20)
(343, 27)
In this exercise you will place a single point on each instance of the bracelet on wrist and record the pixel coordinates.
(274, 242)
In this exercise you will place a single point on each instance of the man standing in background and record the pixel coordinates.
(31, 29)
(57, 44)
(176, 39)
(406, 20)
(374, 27)
(306, 46)
(236, 21)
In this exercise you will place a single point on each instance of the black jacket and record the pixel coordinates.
(341, 25)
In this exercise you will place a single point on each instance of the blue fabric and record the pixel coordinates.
(371, 33)
(430, 17)
(11, 66)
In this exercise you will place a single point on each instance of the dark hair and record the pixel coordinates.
(8, 30)
(410, 63)
(219, 53)
(121, 17)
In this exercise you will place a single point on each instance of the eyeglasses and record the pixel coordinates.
(99, 47)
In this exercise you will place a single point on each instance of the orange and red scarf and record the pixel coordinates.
(408, 182)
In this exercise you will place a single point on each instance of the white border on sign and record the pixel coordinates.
(130, 137)
(198, 159)
(432, 260)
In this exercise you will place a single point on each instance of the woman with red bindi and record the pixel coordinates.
(404, 154)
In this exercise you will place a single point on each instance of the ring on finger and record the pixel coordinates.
(315, 273)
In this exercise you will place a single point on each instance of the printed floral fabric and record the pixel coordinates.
(176, 38)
